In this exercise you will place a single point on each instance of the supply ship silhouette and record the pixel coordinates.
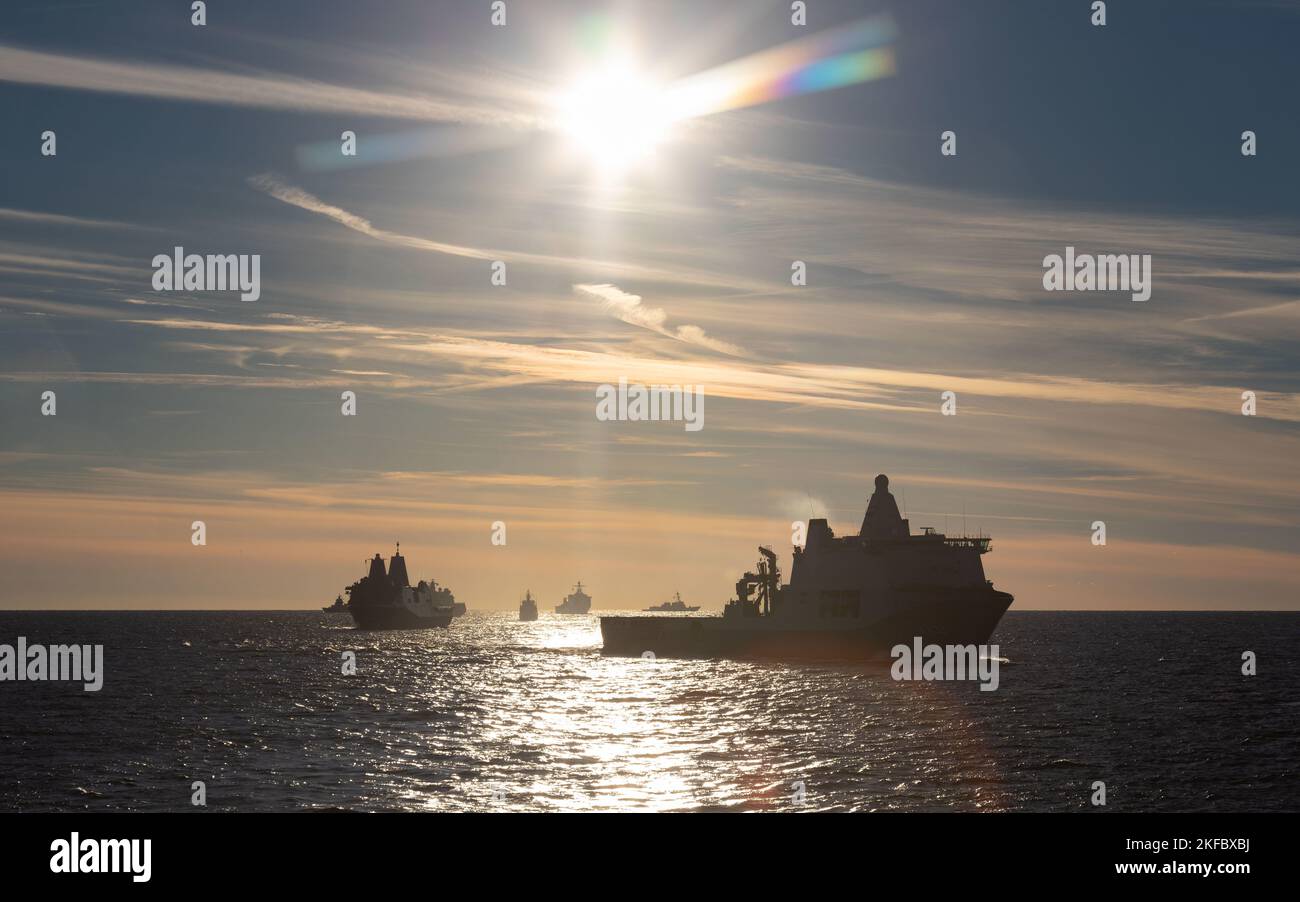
(848, 597)
(387, 601)
(577, 602)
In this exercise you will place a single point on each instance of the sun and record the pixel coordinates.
(615, 116)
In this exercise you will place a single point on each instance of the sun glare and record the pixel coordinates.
(615, 116)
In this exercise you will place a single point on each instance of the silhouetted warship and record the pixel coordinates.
(675, 605)
(387, 600)
(338, 607)
(528, 607)
(578, 602)
(848, 597)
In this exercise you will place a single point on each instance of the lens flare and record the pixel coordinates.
(848, 55)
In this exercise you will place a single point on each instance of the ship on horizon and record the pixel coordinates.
(338, 607)
(386, 600)
(850, 597)
(577, 602)
(675, 605)
(528, 607)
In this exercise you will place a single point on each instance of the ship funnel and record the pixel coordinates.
(397, 569)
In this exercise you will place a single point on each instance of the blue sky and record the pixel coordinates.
(476, 402)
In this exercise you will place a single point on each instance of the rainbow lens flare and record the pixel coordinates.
(848, 55)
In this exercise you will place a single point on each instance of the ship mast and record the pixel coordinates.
(768, 575)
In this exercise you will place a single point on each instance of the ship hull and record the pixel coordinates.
(944, 621)
(389, 617)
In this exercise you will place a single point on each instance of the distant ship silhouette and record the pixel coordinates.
(338, 607)
(675, 605)
(577, 602)
(848, 597)
(528, 607)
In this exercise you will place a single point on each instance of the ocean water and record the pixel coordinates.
(494, 714)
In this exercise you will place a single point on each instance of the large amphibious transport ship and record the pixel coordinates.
(848, 597)
(387, 601)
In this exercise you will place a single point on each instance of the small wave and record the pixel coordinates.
(429, 715)
(1063, 762)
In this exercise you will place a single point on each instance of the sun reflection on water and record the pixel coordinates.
(539, 719)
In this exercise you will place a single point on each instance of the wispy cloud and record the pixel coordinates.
(304, 200)
(215, 86)
(35, 217)
(968, 246)
(297, 197)
(629, 309)
(812, 384)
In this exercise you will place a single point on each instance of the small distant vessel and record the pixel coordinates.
(457, 607)
(675, 605)
(528, 607)
(854, 596)
(577, 602)
(338, 607)
(386, 600)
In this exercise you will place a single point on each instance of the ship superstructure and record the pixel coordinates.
(852, 596)
(385, 599)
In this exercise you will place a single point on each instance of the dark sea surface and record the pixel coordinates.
(494, 714)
